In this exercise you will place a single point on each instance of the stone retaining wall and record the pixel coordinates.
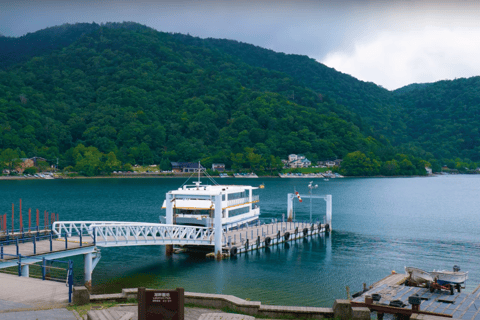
(217, 301)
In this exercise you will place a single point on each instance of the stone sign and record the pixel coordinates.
(161, 304)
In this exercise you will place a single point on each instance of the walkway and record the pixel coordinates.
(24, 298)
(28, 298)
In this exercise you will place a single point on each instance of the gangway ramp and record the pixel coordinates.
(120, 234)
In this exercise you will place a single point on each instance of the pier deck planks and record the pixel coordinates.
(459, 305)
(43, 247)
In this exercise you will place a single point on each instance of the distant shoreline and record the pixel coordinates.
(186, 176)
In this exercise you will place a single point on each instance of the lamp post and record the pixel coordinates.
(311, 187)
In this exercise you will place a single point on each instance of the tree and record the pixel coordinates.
(111, 163)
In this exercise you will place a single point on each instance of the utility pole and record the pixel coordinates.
(311, 187)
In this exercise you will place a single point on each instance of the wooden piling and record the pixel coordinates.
(21, 220)
(13, 218)
(52, 220)
(29, 219)
(38, 217)
(5, 222)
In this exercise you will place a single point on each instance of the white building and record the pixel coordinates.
(298, 161)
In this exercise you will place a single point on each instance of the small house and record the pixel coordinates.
(186, 166)
(220, 167)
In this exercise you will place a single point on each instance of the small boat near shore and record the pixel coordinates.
(300, 175)
(444, 277)
(419, 276)
(441, 277)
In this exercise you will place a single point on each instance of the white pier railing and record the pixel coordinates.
(110, 233)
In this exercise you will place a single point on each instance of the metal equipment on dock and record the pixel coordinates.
(391, 296)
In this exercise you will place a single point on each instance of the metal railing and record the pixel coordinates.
(111, 233)
(235, 202)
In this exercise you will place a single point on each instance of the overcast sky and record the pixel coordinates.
(391, 43)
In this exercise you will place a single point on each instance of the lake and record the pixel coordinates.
(379, 225)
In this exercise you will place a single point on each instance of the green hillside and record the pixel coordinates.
(123, 93)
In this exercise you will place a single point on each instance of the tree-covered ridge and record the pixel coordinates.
(371, 103)
(42, 42)
(136, 95)
(405, 116)
(444, 118)
(148, 98)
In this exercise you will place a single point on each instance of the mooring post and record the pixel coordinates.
(21, 220)
(329, 210)
(290, 206)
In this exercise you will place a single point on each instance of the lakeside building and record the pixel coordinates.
(297, 161)
(220, 167)
(186, 167)
(330, 163)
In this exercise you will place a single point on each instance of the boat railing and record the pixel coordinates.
(236, 202)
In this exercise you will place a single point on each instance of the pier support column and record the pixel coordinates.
(169, 208)
(290, 207)
(25, 270)
(169, 250)
(217, 223)
(88, 258)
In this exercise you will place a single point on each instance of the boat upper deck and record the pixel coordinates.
(211, 189)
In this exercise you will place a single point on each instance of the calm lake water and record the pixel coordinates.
(379, 225)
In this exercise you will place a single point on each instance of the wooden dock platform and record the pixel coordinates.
(441, 303)
(261, 236)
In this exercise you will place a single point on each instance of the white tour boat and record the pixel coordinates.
(196, 206)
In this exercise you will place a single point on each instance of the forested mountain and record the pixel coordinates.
(444, 118)
(15, 50)
(124, 93)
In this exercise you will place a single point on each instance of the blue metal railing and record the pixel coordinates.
(24, 232)
(38, 235)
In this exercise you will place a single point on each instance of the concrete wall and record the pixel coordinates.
(220, 301)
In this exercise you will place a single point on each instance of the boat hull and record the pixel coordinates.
(418, 275)
(446, 277)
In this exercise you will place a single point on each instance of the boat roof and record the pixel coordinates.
(207, 190)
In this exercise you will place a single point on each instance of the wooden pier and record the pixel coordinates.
(260, 236)
(440, 303)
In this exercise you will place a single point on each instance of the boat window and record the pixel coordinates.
(236, 212)
(199, 212)
(223, 197)
(237, 195)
